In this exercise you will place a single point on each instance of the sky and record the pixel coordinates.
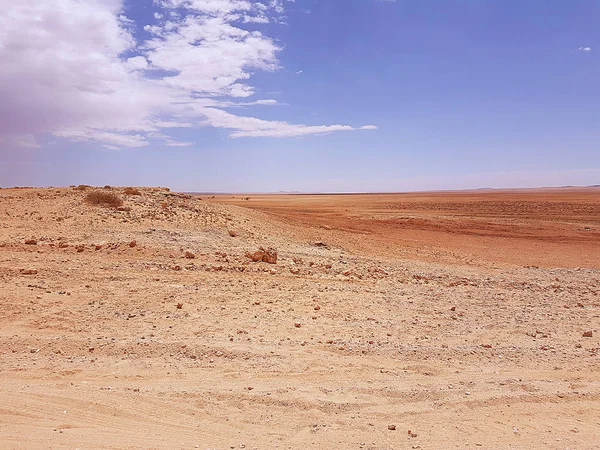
(300, 95)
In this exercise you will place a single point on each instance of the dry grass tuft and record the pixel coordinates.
(131, 191)
(82, 187)
(103, 199)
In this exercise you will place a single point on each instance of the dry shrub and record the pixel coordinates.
(103, 199)
(82, 187)
(131, 191)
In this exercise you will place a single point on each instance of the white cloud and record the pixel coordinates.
(584, 49)
(72, 68)
(368, 127)
(19, 141)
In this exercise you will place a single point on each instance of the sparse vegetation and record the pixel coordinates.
(101, 198)
(82, 187)
(131, 191)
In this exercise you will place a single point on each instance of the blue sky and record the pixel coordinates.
(337, 96)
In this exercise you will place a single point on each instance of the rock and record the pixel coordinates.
(179, 305)
(98, 246)
(233, 233)
(297, 324)
(392, 427)
(320, 244)
(124, 208)
(178, 267)
(294, 270)
(317, 308)
(132, 244)
(28, 271)
(63, 245)
(189, 255)
(588, 333)
(31, 241)
(268, 255)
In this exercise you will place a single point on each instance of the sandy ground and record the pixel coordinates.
(432, 321)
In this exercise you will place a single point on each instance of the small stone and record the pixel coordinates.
(28, 271)
(392, 427)
(177, 267)
(588, 333)
(189, 255)
(233, 233)
(317, 308)
(453, 308)
(132, 244)
(31, 241)
(63, 245)
(179, 305)
(297, 324)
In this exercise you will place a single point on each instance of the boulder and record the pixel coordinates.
(268, 255)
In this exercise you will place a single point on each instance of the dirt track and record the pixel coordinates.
(459, 317)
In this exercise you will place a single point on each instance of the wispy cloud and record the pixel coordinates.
(75, 69)
(584, 49)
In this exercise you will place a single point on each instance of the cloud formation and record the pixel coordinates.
(81, 70)
(584, 49)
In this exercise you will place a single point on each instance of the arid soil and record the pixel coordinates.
(432, 321)
(545, 227)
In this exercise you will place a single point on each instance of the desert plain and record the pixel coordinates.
(388, 321)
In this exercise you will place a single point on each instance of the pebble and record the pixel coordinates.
(297, 324)
(31, 242)
(392, 427)
(28, 271)
(588, 333)
(132, 244)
